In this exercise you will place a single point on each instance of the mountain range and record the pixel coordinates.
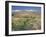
(24, 12)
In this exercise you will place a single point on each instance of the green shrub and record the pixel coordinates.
(25, 23)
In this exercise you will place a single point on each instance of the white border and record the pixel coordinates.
(26, 31)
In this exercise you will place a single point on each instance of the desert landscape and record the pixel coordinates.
(26, 20)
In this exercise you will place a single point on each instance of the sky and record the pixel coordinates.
(35, 9)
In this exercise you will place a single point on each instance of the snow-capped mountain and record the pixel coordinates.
(20, 10)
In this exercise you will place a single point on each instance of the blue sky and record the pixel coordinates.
(35, 9)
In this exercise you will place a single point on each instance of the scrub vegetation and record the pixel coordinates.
(25, 20)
